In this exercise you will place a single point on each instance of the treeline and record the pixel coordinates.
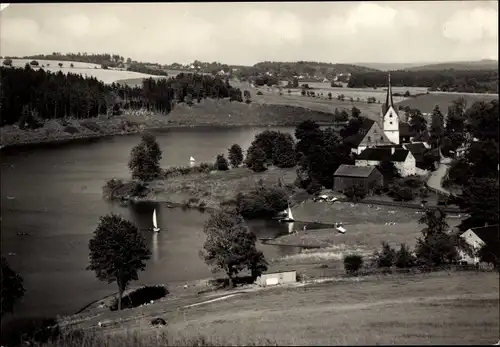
(471, 81)
(28, 96)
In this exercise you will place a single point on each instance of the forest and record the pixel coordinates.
(29, 96)
(463, 81)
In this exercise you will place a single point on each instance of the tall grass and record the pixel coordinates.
(80, 338)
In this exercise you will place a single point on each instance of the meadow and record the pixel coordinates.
(86, 69)
(427, 308)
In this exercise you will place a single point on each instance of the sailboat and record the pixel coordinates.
(289, 216)
(340, 228)
(155, 223)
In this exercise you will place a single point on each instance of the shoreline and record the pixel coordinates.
(97, 136)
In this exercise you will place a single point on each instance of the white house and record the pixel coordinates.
(477, 238)
(402, 158)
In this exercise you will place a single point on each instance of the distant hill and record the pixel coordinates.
(485, 64)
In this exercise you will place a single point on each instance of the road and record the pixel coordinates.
(436, 177)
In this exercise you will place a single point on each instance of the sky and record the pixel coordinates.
(246, 33)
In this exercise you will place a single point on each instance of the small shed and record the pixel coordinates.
(347, 176)
(276, 278)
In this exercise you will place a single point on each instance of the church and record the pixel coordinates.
(389, 139)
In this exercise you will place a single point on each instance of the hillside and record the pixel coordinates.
(425, 103)
(389, 66)
(485, 64)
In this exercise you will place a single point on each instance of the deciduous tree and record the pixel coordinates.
(117, 252)
(145, 159)
(235, 155)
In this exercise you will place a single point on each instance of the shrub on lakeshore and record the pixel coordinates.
(187, 170)
(116, 189)
(221, 163)
(352, 263)
(140, 296)
(262, 202)
(29, 329)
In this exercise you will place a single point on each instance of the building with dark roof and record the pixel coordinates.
(369, 134)
(347, 176)
(418, 150)
(477, 238)
(402, 158)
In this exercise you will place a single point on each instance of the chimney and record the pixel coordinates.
(393, 149)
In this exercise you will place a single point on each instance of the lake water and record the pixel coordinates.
(54, 194)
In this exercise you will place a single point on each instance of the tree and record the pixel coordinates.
(11, 287)
(235, 155)
(117, 252)
(60, 64)
(34, 63)
(256, 159)
(481, 197)
(437, 127)
(145, 159)
(308, 134)
(221, 163)
(7, 62)
(247, 96)
(417, 121)
(330, 96)
(490, 253)
(435, 247)
(355, 112)
(262, 202)
(283, 151)
(404, 257)
(71, 65)
(189, 100)
(295, 82)
(455, 124)
(386, 257)
(482, 120)
(230, 245)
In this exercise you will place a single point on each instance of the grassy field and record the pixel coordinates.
(426, 103)
(432, 308)
(85, 69)
(218, 186)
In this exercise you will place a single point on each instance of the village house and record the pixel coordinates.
(402, 158)
(418, 150)
(348, 176)
(477, 238)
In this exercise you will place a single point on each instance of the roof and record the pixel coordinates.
(383, 154)
(417, 150)
(355, 140)
(354, 171)
(488, 234)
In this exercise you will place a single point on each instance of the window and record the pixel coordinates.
(390, 115)
(369, 139)
(390, 123)
(381, 138)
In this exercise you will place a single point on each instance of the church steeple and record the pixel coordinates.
(388, 98)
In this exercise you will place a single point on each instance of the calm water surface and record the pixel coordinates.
(54, 194)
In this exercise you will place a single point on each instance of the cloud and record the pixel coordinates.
(3, 7)
(18, 29)
(468, 26)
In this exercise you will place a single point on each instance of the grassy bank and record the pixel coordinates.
(210, 189)
(435, 308)
(207, 113)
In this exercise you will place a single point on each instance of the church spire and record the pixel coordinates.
(388, 99)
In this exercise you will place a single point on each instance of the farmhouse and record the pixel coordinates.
(477, 238)
(347, 176)
(402, 158)
(276, 278)
(418, 150)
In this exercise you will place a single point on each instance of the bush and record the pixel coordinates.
(355, 192)
(256, 159)
(116, 189)
(33, 329)
(187, 170)
(235, 155)
(404, 257)
(34, 63)
(221, 163)
(259, 93)
(352, 263)
(7, 62)
(400, 192)
(262, 202)
(140, 296)
(386, 257)
(314, 187)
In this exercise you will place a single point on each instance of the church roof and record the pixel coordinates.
(383, 154)
(488, 234)
(417, 150)
(355, 140)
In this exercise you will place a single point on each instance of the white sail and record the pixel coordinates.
(290, 228)
(341, 229)
(191, 159)
(155, 224)
(155, 247)
(290, 215)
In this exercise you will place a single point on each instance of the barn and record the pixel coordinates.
(347, 176)
(276, 278)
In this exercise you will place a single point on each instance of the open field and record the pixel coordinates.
(426, 103)
(432, 308)
(86, 69)
(218, 186)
